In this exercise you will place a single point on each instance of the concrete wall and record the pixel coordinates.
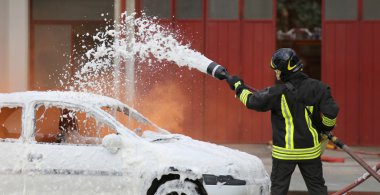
(14, 45)
(4, 45)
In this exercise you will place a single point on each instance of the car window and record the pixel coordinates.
(56, 124)
(10, 122)
(132, 120)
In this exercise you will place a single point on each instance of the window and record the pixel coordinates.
(68, 126)
(258, 9)
(223, 9)
(159, 8)
(72, 9)
(131, 119)
(298, 20)
(10, 122)
(371, 10)
(341, 9)
(189, 9)
(299, 27)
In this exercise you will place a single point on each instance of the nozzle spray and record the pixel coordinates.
(217, 71)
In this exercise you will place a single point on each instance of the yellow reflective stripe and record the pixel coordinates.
(328, 122)
(296, 154)
(237, 84)
(289, 127)
(310, 125)
(297, 151)
(244, 96)
(291, 67)
(296, 157)
(272, 65)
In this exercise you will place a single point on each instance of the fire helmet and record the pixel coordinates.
(286, 60)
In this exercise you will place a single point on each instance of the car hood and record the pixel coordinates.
(176, 150)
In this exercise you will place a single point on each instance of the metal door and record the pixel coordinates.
(349, 65)
(238, 34)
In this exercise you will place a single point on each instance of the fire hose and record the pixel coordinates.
(358, 181)
(347, 149)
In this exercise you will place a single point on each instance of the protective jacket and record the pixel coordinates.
(300, 109)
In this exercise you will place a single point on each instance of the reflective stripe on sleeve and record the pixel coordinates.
(328, 122)
(244, 96)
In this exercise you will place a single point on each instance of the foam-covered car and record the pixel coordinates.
(80, 143)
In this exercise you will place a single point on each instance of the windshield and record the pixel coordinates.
(133, 120)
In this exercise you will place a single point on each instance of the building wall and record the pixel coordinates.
(14, 39)
(350, 66)
(227, 33)
(4, 45)
(369, 89)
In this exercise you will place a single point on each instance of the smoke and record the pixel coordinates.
(165, 105)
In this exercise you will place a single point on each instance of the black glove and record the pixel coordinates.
(234, 82)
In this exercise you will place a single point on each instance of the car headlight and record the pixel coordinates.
(224, 179)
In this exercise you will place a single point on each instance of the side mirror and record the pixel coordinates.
(112, 143)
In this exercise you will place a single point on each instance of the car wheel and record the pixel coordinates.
(177, 187)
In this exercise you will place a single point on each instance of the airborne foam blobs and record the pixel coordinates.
(135, 38)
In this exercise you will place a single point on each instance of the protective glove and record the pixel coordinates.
(234, 82)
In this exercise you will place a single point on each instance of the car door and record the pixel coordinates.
(11, 149)
(66, 163)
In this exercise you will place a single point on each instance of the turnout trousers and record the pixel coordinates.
(311, 171)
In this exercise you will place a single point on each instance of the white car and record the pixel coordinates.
(80, 143)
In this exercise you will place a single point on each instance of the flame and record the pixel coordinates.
(165, 105)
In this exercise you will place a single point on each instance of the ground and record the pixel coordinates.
(337, 175)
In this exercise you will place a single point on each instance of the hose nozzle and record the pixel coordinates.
(217, 71)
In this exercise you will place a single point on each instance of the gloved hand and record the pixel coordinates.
(234, 82)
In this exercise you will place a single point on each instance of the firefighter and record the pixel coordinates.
(301, 109)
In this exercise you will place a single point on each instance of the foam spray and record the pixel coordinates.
(136, 38)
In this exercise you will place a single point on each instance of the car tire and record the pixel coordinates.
(172, 184)
(178, 187)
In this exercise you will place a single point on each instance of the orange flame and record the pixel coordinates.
(165, 105)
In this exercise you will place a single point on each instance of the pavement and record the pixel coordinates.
(337, 175)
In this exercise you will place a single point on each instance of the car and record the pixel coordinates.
(64, 142)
